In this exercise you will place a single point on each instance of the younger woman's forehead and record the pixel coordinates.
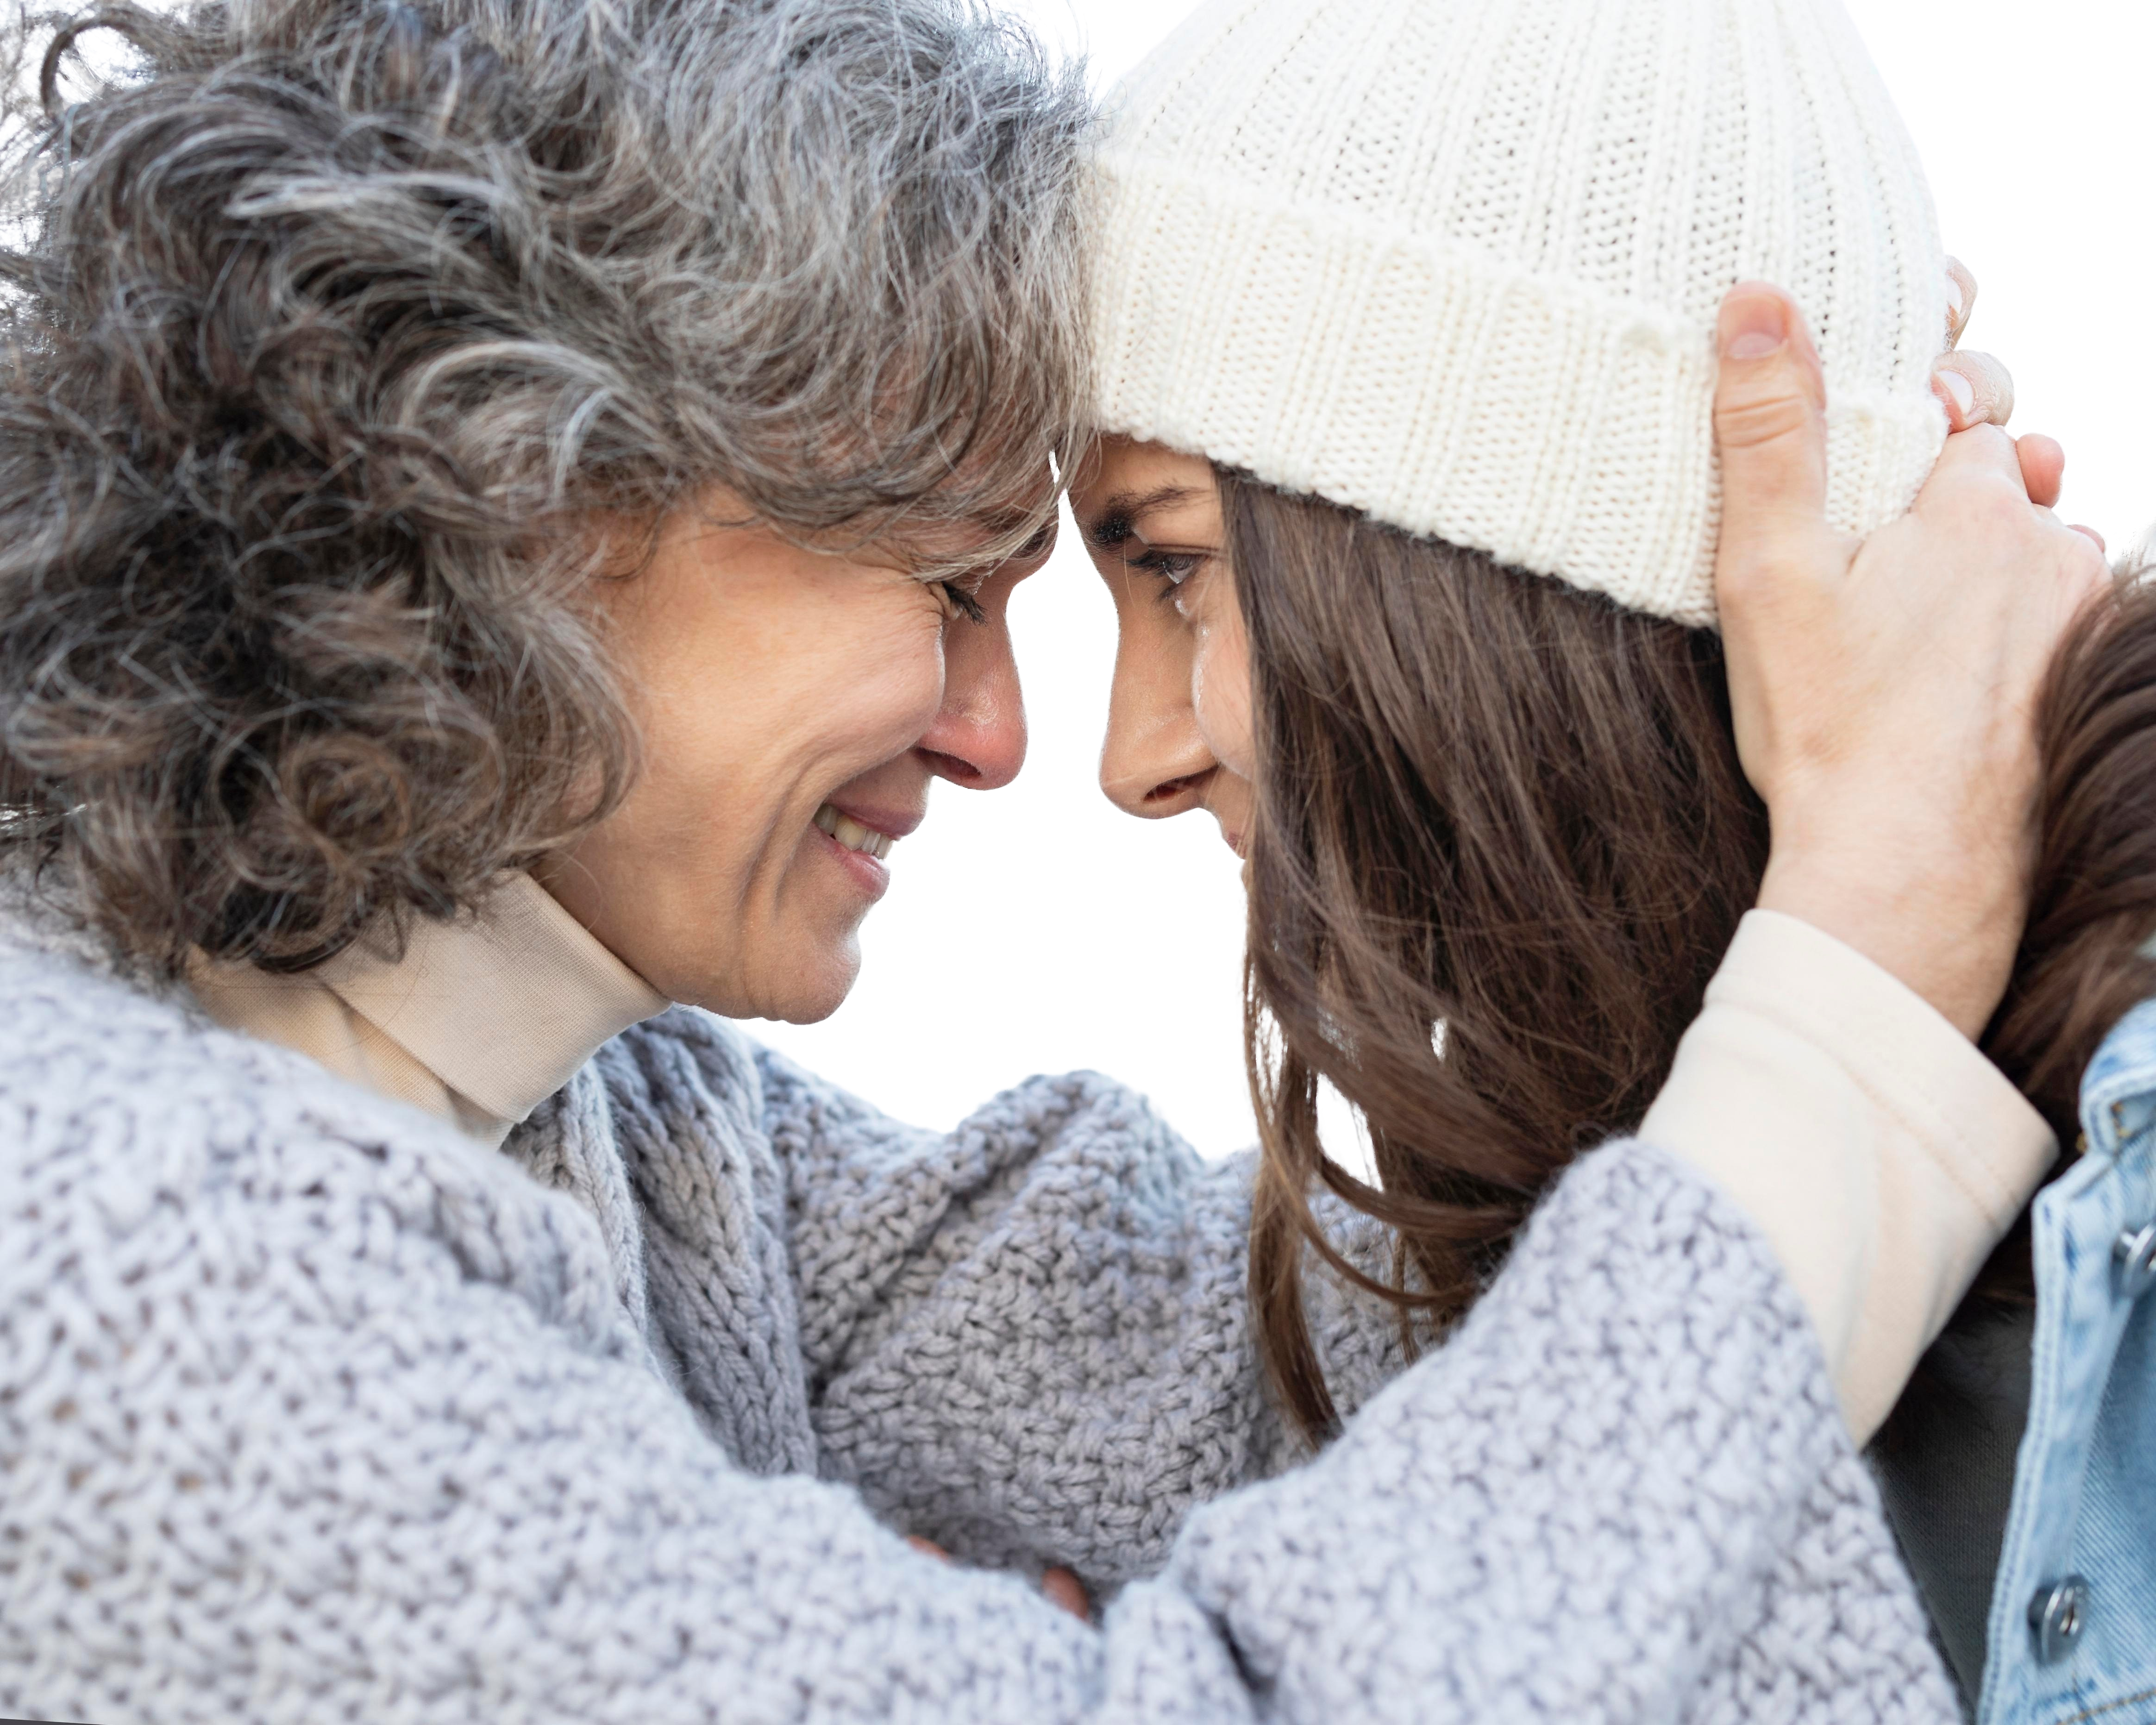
(1128, 484)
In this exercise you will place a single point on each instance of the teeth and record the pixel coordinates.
(851, 834)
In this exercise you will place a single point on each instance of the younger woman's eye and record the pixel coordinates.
(1173, 567)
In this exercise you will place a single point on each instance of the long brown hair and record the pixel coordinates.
(1502, 839)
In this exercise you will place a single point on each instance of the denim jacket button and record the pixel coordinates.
(2057, 1615)
(2134, 1252)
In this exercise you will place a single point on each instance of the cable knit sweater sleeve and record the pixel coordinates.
(310, 1410)
(1029, 1339)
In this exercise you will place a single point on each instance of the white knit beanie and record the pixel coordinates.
(1455, 264)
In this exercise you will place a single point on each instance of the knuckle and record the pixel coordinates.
(1749, 420)
(1992, 387)
(2087, 564)
(2072, 567)
(1986, 504)
(1760, 577)
(2003, 509)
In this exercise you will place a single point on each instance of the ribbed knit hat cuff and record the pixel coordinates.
(1442, 391)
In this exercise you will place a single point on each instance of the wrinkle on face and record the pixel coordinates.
(771, 679)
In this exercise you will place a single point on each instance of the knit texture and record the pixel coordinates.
(1455, 264)
(313, 1410)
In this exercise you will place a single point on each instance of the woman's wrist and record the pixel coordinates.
(1948, 933)
(1879, 1151)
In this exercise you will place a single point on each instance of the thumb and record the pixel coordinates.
(1770, 426)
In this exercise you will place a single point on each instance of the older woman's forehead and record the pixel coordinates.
(1018, 525)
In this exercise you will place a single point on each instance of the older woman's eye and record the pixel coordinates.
(958, 602)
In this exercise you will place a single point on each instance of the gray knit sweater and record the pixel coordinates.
(311, 1410)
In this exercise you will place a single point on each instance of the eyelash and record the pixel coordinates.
(1162, 566)
(958, 602)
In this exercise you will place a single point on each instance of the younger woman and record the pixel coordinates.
(1416, 479)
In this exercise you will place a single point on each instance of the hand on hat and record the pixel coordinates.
(1885, 692)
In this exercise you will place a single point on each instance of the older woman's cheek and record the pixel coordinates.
(764, 680)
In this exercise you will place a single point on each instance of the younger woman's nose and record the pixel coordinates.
(1150, 797)
(1153, 762)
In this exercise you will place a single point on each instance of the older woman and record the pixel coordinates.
(509, 506)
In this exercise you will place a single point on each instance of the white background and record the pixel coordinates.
(1034, 929)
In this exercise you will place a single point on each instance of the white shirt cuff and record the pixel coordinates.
(1880, 1152)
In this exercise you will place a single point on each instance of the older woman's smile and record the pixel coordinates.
(852, 835)
(859, 839)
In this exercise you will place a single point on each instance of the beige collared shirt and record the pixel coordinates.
(479, 1022)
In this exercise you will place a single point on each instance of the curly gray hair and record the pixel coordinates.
(336, 320)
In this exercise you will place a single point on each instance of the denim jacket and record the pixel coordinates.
(2072, 1629)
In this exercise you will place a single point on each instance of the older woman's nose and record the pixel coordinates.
(978, 739)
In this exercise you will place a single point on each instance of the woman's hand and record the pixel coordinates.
(1884, 693)
(1974, 389)
(1062, 1586)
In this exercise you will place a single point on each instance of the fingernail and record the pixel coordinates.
(1956, 388)
(1954, 299)
(1754, 326)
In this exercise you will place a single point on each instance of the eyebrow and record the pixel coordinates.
(1042, 542)
(1111, 522)
(993, 525)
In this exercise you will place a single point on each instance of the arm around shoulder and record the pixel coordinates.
(462, 1492)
